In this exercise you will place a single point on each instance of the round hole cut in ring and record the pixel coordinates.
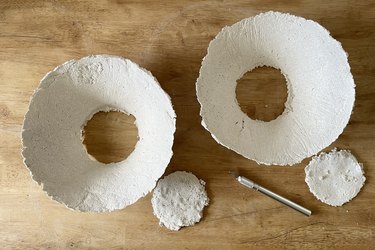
(321, 89)
(65, 100)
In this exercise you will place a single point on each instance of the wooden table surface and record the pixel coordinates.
(170, 38)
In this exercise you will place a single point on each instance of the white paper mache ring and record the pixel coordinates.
(321, 89)
(65, 100)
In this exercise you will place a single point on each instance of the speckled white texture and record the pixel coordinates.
(335, 178)
(65, 100)
(321, 89)
(178, 200)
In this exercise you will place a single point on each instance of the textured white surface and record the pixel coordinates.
(65, 100)
(179, 199)
(335, 178)
(321, 89)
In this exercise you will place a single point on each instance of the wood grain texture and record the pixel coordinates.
(170, 38)
(261, 93)
(110, 136)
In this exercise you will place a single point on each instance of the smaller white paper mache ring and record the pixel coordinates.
(65, 100)
(321, 89)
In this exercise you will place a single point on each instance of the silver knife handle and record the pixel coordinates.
(250, 184)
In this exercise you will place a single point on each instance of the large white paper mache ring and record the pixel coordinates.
(321, 89)
(65, 100)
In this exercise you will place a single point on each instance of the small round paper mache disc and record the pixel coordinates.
(178, 200)
(335, 177)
